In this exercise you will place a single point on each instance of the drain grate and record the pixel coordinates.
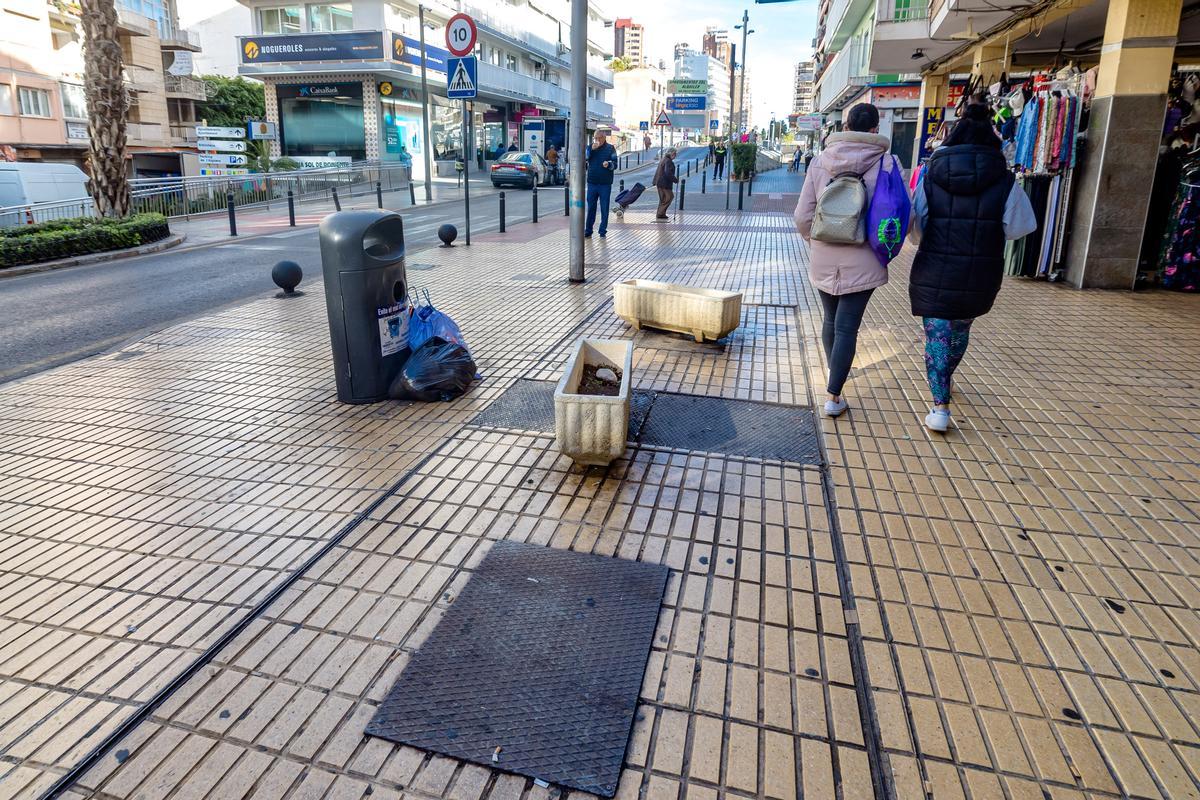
(732, 427)
(535, 668)
(529, 406)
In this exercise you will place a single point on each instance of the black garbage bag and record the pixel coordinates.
(437, 370)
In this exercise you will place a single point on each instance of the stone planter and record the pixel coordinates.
(592, 429)
(704, 313)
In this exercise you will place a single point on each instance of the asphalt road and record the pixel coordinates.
(52, 318)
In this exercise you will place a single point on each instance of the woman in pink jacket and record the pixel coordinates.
(845, 274)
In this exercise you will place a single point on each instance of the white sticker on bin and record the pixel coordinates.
(393, 328)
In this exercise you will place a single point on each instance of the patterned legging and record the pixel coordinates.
(945, 344)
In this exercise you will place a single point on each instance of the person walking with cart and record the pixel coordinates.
(601, 160)
(719, 161)
(665, 178)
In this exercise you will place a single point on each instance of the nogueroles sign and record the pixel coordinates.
(352, 46)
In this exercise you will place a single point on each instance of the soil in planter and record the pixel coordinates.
(591, 383)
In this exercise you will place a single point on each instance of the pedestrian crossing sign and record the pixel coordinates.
(461, 82)
(663, 119)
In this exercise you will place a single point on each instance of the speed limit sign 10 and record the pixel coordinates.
(460, 35)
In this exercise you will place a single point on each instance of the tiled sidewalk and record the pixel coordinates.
(1008, 612)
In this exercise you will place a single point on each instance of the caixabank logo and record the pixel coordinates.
(251, 50)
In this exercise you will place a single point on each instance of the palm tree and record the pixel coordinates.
(107, 104)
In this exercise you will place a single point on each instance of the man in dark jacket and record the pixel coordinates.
(601, 164)
(665, 179)
(719, 160)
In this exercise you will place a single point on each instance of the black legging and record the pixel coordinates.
(839, 334)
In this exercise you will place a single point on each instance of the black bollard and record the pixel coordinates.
(622, 184)
(502, 212)
(336, 202)
(535, 202)
(741, 191)
(682, 191)
(567, 200)
(232, 220)
(703, 180)
(689, 169)
(412, 193)
(291, 209)
(379, 194)
(750, 188)
(639, 156)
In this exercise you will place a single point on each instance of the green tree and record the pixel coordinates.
(108, 104)
(620, 64)
(231, 101)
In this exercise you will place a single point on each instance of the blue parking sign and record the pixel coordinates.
(461, 78)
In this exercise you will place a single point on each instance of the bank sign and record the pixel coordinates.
(407, 50)
(353, 46)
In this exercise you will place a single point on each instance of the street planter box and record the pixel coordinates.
(703, 313)
(590, 428)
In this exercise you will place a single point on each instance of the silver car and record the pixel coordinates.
(520, 168)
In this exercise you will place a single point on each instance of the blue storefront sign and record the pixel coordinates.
(407, 50)
(312, 47)
(687, 102)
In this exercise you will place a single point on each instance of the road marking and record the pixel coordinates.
(250, 247)
(289, 234)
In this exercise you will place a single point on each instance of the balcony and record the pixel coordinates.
(844, 78)
(902, 27)
(67, 11)
(844, 17)
(134, 24)
(146, 133)
(183, 134)
(185, 86)
(525, 88)
(140, 80)
(180, 40)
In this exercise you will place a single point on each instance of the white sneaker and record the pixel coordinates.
(938, 420)
(833, 409)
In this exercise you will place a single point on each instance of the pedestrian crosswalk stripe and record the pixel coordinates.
(462, 80)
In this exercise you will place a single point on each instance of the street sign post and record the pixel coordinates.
(461, 34)
(685, 102)
(662, 119)
(644, 125)
(221, 160)
(212, 132)
(714, 123)
(687, 86)
(462, 83)
(221, 147)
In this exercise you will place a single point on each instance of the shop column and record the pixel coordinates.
(934, 96)
(989, 61)
(1123, 136)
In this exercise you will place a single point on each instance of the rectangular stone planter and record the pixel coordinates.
(704, 313)
(592, 429)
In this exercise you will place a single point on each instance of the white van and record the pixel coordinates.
(28, 183)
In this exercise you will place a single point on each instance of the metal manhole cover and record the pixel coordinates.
(733, 427)
(529, 406)
(535, 668)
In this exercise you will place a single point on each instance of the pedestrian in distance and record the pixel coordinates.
(796, 156)
(552, 162)
(843, 268)
(512, 148)
(601, 160)
(719, 160)
(711, 149)
(646, 141)
(965, 206)
(665, 178)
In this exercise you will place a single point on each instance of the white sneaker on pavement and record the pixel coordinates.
(835, 409)
(938, 420)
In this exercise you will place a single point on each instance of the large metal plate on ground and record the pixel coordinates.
(529, 406)
(542, 656)
(733, 427)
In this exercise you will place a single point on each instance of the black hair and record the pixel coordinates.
(975, 127)
(863, 118)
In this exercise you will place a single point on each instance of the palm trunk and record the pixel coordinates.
(108, 106)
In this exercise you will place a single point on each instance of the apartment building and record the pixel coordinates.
(630, 42)
(43, 113)
(343, 79)
(716, 44)
(805, 87)
(743, 105)
(690, 64)
(638, 96)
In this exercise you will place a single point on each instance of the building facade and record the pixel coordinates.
(638, 96)
(716, 44)
(743, 106)
(43, 112)
(630, 42)
(343, 80)
(805, 87)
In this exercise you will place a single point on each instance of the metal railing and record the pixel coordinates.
(184, 197)
(901, 10)
(185, 132)
(182, 37)
(186, 84)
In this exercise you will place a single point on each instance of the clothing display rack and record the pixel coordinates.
(1170, 243)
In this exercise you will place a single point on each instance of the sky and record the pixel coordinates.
(783, 34)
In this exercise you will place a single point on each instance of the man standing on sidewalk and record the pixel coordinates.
(719, 161)
(665, 180)
(601, 164)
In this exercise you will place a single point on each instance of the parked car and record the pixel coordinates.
(520, 168)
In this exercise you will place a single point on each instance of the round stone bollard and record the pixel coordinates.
(287, 276)
(447, 233)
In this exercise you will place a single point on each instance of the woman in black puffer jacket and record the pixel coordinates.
(965, 206)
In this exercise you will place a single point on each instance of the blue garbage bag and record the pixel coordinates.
(428, 322)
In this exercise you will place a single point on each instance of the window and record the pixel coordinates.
(510, 62)
(279, 20)
(6, 106)
(331, 18)
(34, 102)
(74, 101)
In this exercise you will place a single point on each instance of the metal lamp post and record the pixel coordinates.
(428, 146)
(578, 134)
